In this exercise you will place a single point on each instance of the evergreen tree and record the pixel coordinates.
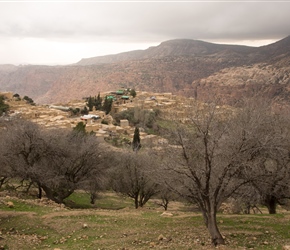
(16, 97)
(133, 93)
(28, 100)
(80, 128)
(136, 145)
(98, 102)
(107, 106)
(90, 103)
(84, 111)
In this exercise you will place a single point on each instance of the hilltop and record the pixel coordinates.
(60, 115)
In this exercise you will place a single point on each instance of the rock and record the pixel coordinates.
(161, 237)
(10, 204)
(166, 214)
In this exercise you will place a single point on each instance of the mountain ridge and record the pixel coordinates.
(181, 66)
(182, 47)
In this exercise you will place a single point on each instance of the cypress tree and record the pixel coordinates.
(107, 106)
(90, 103)
(136, 145)
(98, 102)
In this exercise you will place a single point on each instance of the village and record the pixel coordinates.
(59, 115)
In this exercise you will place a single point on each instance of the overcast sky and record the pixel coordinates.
(63, 32)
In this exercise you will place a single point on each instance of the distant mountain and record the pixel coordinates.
(172, 48)
(182, 66)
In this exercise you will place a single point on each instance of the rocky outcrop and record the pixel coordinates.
(232, 84)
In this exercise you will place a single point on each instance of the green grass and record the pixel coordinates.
(104, 201)
(22, 206)
(262, 231)
(113, 223)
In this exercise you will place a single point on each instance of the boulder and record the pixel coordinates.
(10, 204)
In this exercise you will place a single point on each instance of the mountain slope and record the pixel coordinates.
(182, 66)
(173, 48)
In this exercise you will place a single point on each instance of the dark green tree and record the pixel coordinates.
(3, 106)
(136, 145)
(80, 128)
(133, 93)
(98, 102)
(107, 106)
(16, 97)
(84, 111)
(90, 103)
(28, 100)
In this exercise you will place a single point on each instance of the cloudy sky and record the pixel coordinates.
(63, 32)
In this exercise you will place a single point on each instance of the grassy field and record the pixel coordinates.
(113, 223)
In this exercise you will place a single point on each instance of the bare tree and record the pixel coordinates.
(206, 159)
(59, 161)
(23, 148)
(77, 158)
(131, 177)
(271, 159)
(164, 196)
(5, 173)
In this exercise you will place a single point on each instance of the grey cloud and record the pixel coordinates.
(234, 20)
(139, 22)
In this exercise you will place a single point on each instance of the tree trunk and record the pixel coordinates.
(136, 201)
(271, 204)
(216, 237)
(57, 197)
(92, 198)
(39, 191)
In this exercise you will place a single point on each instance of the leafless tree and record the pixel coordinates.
(132, 177)
(164, 197)
(59, 161)
(5, 172)
(270, 131)
(207, 157)
(23, 148)
(77, 159)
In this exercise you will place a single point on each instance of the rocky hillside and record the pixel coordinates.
(183, 67)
